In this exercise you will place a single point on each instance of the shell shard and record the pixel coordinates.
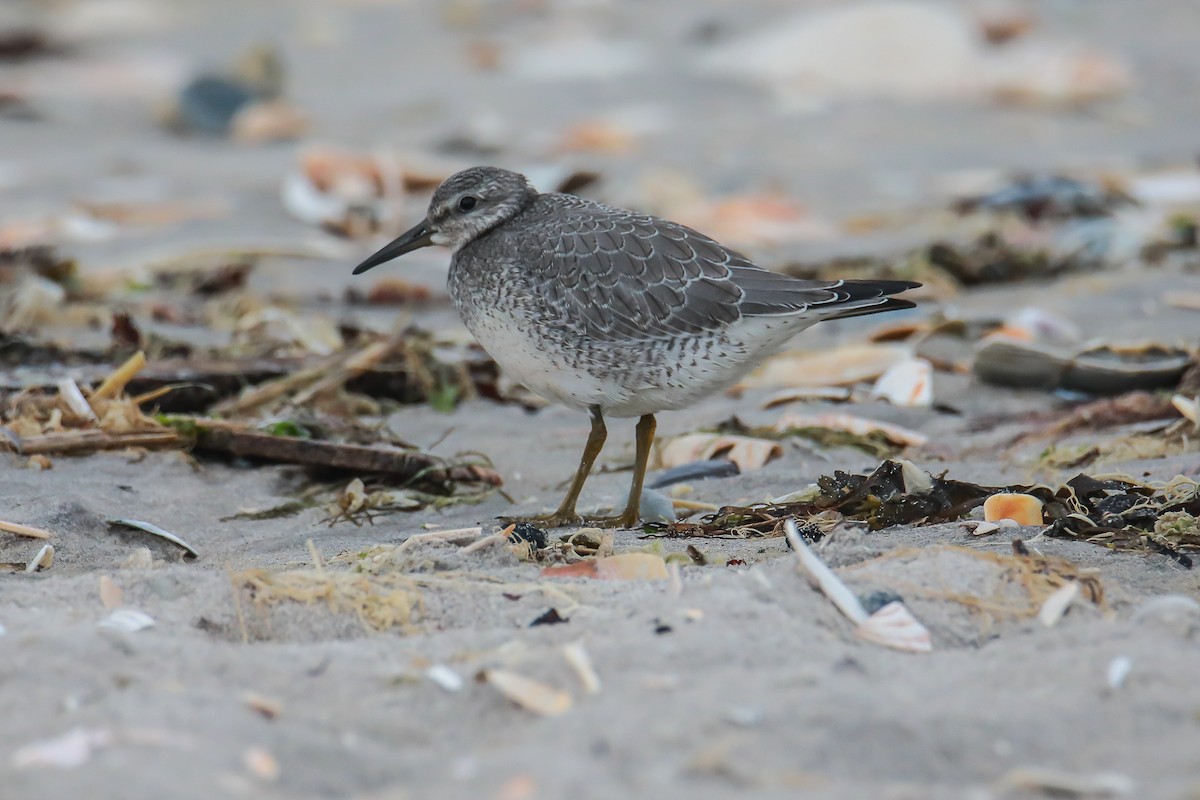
(894, 626)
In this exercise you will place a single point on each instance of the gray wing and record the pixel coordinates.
(629, 276)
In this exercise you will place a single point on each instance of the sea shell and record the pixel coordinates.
(111, 594)
(43, 560)
(529, 694)
(1189, 407)
(1056, 605)
(859, 426)
(841, 366)
(747, 452)
(445, 677)
(830, 394)
(827, 581)
(1118, 670)
(908, 384)
(129, 620)
(578, 658)
(620, 567)
(895, 627)
(1024, 509)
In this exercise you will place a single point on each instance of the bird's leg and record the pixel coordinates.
(566, 514)
(630, 516)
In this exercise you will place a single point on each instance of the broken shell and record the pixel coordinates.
(748, 453)
(1042, 326)
(621, 567)
(111, 594)
(72, 749)
(1023, 509)
(916, 480)
(43, 560)
(895, 627)
(984, 528)
(266, 707)
(1189, 407)
(842, 366)
(261, 764)
(578, 658)
(1056, 605)
(129, 620)
(908, 384)
(830, 394)
(154, 530)
(445, 677)
(859, 426)
(829, 583)
(1118, 670)
(68, 390)
(529, 694)
(269, 121)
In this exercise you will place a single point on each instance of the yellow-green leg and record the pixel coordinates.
(630, 516)
(566, 514)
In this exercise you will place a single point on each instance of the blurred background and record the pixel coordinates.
(785, 128)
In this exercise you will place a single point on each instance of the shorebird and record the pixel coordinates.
(610, 311)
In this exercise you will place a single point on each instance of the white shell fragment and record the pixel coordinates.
(72, 749)
(69, 391)
(1118, 670)
(829, 583)
(745, 451)
(111, 593)
(984, 528)
(894, 626)
(529, 694)
(1188, 407)
(908, 384)
(579, 660)
(129, 620)
(154, 530)
(1056, 605)
(842, 366)
(43, 560)
(445, 677)
(916, 480)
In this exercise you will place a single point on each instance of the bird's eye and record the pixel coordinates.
(466, 203)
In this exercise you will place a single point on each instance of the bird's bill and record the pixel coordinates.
(415, 238)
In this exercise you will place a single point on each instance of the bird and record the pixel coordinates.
(613, 312)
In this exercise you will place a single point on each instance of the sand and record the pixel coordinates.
(745, 680)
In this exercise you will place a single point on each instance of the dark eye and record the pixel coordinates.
(466, 203)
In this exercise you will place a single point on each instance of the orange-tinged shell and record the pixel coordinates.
(1023, 509)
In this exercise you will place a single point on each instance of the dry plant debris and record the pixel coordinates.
(381, 600)
(1024, 581)
(1115, 512)
(76, 421)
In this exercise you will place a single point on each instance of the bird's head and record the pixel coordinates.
(467, 205)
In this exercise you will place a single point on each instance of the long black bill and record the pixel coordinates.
(413, 239)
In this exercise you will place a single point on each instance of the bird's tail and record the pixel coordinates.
(869, 297)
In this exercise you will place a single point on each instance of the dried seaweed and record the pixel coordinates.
(1115, 512)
